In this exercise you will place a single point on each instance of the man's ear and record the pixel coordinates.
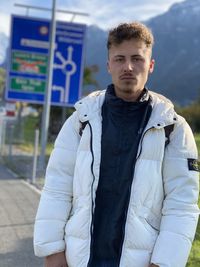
(108, 66)
(151, 66)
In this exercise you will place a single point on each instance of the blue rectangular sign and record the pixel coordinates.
(68, 62)
(28, 64)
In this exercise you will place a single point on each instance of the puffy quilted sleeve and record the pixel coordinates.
(56, 197)
(180, 210)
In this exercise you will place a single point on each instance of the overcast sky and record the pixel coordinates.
(104, 13)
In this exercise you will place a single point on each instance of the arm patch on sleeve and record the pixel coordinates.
(194, 165)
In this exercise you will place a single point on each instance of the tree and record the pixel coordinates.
(192, 115)
(2, 82)
(88, 78)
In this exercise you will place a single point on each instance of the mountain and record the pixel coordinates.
(96, 54)
(176, 51)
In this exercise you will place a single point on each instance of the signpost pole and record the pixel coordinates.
(46, 107)
(64, 109)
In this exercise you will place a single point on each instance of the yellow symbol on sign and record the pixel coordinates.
(43, 30)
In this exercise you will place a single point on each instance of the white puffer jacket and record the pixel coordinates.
(163, 211)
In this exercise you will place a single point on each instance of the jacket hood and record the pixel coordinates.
(163, 112)
(90, 105)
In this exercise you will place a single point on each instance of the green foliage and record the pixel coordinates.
(30, 124)
(2, 81)
(192, 115)
(194, 259)
(88, 75)
(197, 139)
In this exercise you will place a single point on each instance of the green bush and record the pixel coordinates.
(192, 115)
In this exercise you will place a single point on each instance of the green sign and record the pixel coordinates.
(29, 63)
(28, 85)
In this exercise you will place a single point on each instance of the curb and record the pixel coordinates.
(11, 172)
(31, 186)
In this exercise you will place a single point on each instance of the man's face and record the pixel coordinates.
(129, 64)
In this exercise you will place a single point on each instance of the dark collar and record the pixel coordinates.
(119, 106)
(110, 95)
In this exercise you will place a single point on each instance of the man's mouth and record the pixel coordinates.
(127, 77)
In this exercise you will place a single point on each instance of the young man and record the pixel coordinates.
(116, 193)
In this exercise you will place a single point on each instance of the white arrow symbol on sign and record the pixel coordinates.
(68, 67)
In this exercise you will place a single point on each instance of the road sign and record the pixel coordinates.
(28, 64)
(68, 62)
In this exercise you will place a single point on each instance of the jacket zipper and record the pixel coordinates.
(140, 144)
(92, 222)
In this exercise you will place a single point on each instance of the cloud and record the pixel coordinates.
(5, 26)
(105, 14)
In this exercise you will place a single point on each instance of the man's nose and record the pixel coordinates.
(128, 66)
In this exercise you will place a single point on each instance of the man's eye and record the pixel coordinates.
(137, 59)
(119, 59)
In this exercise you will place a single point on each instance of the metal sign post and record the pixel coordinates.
(46, 111)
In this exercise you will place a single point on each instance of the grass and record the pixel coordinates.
(194, 259)
(30, 124)
(29, 147)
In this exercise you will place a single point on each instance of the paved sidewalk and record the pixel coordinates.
(18, 205)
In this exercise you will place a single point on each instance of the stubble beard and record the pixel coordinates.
(129, 88)
(129, 91)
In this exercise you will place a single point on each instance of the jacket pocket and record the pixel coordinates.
(151, 220)
(150, 226)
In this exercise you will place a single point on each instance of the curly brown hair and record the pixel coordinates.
(128, 31)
